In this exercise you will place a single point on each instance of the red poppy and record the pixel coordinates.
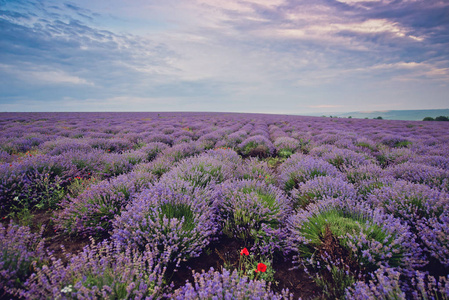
(244, 252)
(261, 267)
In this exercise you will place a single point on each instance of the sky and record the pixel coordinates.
(264, 56)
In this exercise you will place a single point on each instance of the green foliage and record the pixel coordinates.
(285, 153)
(366, 145)
(52, 194)
(202, 174)
(340, 225)
(252, 146)
(78, 185)
(247, 223)
(335, 286)
(402, 144)
(21, 213)
(441, 118)
(295, 179)
(178, 211)
(378, 118)
(248, 267)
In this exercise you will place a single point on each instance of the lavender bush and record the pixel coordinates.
(344, 241)
(164, 220)
(367, 178)
(300, 168)
(35, 181)
(342, 158)
(253, 168)
(226, 285)
(180, 151)
(19, 248)
(202, 171)
(252, 211)
(286, 146)
(93, 210)
(425, 210)
(419, 173)
(104, 271)
(153, 149)
(322, 187)
(257, 145)
(386, 284)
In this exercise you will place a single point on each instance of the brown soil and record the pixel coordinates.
(54, 239)
(226, 252)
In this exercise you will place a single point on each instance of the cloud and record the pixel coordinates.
(324, 106)
(230, 55)
(35, 73)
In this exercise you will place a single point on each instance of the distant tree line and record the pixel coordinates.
(439, 118)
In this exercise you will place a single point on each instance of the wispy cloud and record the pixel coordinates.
(229, 55)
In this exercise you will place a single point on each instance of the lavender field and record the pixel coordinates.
(222, 206)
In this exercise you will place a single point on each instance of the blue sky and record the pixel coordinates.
(268, 56)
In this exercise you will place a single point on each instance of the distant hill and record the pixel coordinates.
(412, 115)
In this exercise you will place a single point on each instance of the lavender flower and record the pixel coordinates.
(257, 145)
(62, 145)
(251, 210)
(425, 210)
(300, 168)
(164, 220)
(19, 248)
(153, 149)
(367, 178)
(225, 155)
(342, 158)
(286, 146)
(253, 168)
(93, 210)
(419, 173)
(322, 187)
(37, 180)
(385, 285)
(226, 285)
(348, 240)
(180, 151)
(100, 272)
(202, 171)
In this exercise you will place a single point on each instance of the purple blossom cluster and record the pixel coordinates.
(252, 210)
(202, 171)
(257, 145)
(226, 285)
(19, 249)
(386, 284)
(153, 149)
(341, 158)
(165, 220)
(344, 241)
(418, 173)
(425, 210)
(253, 168)
(322, 187)
(101, 164)
(103, 271)
(286, 146)
(92, 212)
(301, 168)
(35, 180)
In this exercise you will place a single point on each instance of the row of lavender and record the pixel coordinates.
(362, 204)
